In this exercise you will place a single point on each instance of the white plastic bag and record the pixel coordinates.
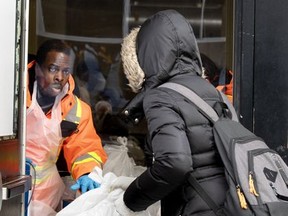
(118, 161)
(100, 202)
(89, 202)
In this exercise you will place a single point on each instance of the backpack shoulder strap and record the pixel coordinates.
(211, 114)
(205, 108)
(229, 105)
(194, 98)
(203, 194)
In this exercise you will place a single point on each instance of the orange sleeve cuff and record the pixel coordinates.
(83, 168)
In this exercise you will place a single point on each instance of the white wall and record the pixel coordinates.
(7, 65)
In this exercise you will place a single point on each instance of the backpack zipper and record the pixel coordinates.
(239, 190)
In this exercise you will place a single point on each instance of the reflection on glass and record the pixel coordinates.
(95, 30)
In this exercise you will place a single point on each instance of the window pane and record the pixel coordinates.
(95, 30)
(100, 18)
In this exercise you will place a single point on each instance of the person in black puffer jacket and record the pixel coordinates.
(180, 138)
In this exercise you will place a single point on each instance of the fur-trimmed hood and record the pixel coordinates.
(162, 48)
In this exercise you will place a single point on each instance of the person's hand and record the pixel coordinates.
(121, 182)
(123, 210)
(84, 183)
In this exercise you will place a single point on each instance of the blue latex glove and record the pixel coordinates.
(28, 165)
(29, 161)
(85, 184)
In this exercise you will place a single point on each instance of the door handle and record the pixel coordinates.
(15, 186)
(0, 191)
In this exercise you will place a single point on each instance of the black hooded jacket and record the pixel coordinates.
(179, 137)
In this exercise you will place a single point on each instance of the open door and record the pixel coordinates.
(13, 181)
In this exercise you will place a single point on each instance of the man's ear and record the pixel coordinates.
(38, 71)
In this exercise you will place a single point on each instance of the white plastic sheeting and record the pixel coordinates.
(101, 201)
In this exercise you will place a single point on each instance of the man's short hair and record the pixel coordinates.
(52, 45)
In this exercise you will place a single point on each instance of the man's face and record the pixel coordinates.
(53, 74)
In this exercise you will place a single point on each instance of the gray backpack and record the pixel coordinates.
(257, 176)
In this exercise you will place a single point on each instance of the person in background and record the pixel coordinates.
(179, 139)
(57, 119)
(210, 70)
(226, 83)
(102, 109)
(220, 79)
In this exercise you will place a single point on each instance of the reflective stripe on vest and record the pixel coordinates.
(75, 113)
(90, 156)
